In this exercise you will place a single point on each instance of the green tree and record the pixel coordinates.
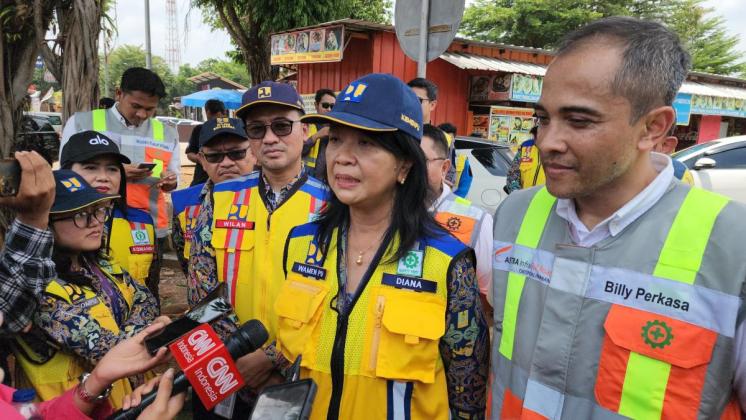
(541, 23)
(250, 22)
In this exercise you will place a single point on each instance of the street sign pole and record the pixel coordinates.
(424, 32)
(148, 57)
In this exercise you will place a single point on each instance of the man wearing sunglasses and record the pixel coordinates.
(315, 145)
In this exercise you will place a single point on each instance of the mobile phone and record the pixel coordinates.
(290, 401)
(212, 307)
(10, 177)
(148, 166)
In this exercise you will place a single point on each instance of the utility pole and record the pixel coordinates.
(148, 58)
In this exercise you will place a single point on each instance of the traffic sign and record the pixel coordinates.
(443, 20)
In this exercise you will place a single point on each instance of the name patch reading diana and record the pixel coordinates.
(234, 224)
(309, 271)
(411, 283)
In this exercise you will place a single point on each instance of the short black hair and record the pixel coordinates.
(139, 79)
(430, 87)
(448, 128)
(213, 106)
(106, 102)
(654, 62)
(438, 137)
(324, 91)
(534, 131)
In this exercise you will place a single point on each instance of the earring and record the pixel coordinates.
(401, 181)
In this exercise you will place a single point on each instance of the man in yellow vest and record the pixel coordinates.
(620, 293)
(467, 222)
(315, 145)
(152, 146)
(526, 170)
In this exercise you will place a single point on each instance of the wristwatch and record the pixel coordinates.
(85, 396)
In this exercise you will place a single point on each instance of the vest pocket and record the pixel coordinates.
(652, 366)
(411, 325)
(298, 310)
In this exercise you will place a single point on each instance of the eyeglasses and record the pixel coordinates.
(327, 105)
(256, 131)
(434, 159)
(217, 157)
(82, 219)
(423, 100)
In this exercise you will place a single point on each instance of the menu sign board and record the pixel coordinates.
(490, 88)
(526, 88)
(318, 45)
(510, 126)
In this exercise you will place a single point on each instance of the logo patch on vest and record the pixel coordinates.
(411, 283)
(234, 224)
(411, 264)
(657, 334)
(318, 273)
(140, 237)
(142, 249)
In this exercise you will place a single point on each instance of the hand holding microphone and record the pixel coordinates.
(211, 374)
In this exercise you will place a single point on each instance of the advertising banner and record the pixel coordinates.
(714, 105)
(526, 88)
(510, 126)
(682, 104)
(321, 45)
(490, 88)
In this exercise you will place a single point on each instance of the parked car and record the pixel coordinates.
(37, 133)
(489, 165)
(718, 165)
(53, 118)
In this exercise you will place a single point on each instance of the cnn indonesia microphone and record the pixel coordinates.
(207, 364)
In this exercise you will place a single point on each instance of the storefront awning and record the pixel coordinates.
(710, 89)
(478, 62)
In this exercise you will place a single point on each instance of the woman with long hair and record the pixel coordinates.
(380, 301)
(91, 305)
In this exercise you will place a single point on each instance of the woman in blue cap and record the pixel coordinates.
(382, 303)
(90, 306)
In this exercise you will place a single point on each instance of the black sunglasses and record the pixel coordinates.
(218, 157)
(327, 105)
(256, 131)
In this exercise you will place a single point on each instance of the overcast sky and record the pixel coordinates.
(198, 42)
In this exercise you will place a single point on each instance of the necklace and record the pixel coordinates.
(359, 260)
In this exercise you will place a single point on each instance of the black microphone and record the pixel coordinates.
(249, 338)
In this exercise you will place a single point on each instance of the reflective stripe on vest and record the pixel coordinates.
(140, 195)
(529, 236)
(313, 154)
(133, 246)
(392, 332)
(249, 241)
(461, 218)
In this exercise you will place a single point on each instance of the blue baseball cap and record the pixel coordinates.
(375, 102)
(221, 126)
(269, 92)
(72, 192)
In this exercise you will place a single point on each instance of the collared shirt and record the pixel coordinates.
(26, 268)
(274, 199)
(482, 248)
(627, 214)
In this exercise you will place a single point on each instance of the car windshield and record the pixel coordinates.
(495, 159)
(687, 153)
(54, 120)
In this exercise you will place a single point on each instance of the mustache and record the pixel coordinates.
(554, 158)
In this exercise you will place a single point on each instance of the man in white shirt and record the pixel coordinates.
(620, 294)
(467, 222)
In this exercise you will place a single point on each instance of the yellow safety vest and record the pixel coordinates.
(532, 174)
(313, 154)
(249, 241)
(133, 244)
(187, 204)
(51, 377)
(385, 351)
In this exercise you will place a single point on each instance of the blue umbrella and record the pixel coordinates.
(231, 98)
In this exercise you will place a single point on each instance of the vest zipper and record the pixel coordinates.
(338, 367)
(377, 332)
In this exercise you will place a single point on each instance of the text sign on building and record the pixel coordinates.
(682, 104)
(526, 88)
(510, 126)
(320, 45)
(715, 105)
